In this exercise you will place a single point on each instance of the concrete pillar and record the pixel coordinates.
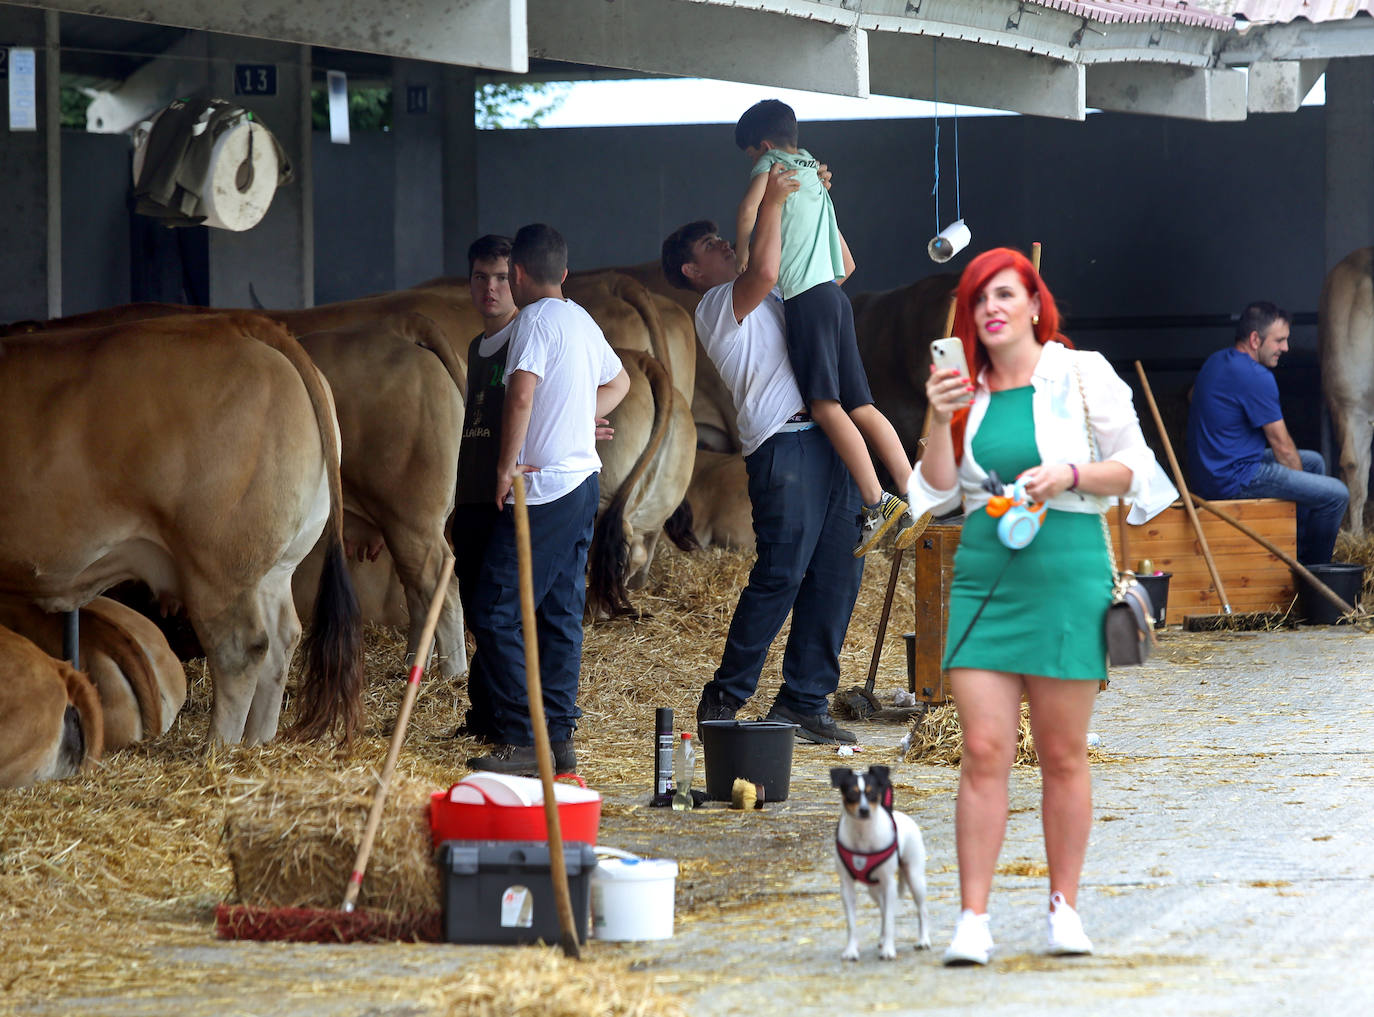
(1349, 156)
(31, 167)
(418, 149)
(460, 166)
(277, 256)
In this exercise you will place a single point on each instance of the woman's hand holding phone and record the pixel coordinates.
(949, 387)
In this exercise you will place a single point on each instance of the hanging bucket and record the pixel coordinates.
(632, 897)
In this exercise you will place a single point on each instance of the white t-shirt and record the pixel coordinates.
(559, 343)
(751, 357)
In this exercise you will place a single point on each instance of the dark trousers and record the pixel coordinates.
(560, 533)
(472, 526)
(805, 524)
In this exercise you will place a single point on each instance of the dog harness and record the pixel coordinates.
(861, 866)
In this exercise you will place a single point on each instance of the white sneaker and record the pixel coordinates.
(972, 942)
(1066, 929)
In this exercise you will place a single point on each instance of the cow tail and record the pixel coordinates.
(679, 528)
(610, 549)
(331, 691)
(637, 296)
(132, 660)
(85, 700)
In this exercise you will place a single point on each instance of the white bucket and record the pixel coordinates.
(632, 897)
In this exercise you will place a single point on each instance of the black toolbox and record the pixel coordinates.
(501, 891)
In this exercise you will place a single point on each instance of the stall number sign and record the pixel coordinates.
(255, 79)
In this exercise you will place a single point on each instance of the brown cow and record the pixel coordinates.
(1345, 344)
(722, 515)
(198, 454)
(141, 683)
(50, 722)
(400, 420)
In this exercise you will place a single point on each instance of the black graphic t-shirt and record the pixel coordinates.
(486, 397)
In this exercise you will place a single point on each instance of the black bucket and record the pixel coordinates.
(1345, 580)
(760, 751)
(1157, 586)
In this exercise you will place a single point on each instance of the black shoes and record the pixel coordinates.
(715, 705)
(818, 728)
(521, 760)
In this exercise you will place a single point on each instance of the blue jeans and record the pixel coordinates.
(560, 533)
(805, 525)
(1321, 501)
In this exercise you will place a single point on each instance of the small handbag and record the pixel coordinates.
(1129, 623)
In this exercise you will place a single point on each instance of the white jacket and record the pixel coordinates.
(1061, 437)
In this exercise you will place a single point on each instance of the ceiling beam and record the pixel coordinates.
(1188, 93)
(477, 33)
(1299, 40)
(1280, 86)
(698, 39)
(921, 67)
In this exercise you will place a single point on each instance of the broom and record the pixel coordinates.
(320, 925)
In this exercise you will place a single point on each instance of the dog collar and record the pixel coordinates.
(861, 866)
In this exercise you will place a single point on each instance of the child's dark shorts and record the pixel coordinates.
(823, 348)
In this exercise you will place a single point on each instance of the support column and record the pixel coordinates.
(277, 256)
(1349, 200)
(460, 166)
(417, 119)
(31, 167)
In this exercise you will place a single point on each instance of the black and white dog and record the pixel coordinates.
(880, 848)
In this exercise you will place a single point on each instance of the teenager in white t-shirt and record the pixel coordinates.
(561, 375)
(806, 506)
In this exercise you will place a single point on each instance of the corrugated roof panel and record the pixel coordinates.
(1164, 11)
(1284, 11)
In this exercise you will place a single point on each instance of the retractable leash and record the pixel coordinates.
(994, 486)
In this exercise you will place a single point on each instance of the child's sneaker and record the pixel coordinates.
(910, 530)
(875, 520)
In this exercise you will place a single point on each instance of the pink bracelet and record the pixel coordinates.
(1074, 485)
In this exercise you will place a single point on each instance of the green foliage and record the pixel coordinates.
(507, 104)
(369, 109)
(73, 103)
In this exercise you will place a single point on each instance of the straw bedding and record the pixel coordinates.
(106, 871)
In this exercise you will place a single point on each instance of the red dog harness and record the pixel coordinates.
(860, 866)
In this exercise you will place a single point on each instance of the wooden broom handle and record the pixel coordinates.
(542, 750)
(417, 670)
(897, 553)
(1282, 555)
(1183, 490)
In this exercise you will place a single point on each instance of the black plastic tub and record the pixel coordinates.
(1345, 580)
(760, 751)
(1157, 586)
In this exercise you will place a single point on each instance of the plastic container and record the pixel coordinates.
(632, 897)
(1345, 579)
(1157, 586)
(502, 891)
(505, 809)
(684, 769)
(759, 751)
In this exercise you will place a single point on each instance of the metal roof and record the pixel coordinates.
(1284, 11)
(1165, 11)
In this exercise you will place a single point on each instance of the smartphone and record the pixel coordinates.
(948, 354)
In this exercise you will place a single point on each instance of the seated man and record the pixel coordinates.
(1238, 445)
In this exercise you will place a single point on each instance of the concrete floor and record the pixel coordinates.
(1231, 872)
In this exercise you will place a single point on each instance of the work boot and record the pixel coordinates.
(818, 728)
(716, 705)
(564, 756)
(516, 759)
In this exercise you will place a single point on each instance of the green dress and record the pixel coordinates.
(1046, 615)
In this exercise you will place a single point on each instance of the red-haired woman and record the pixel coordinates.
(1027, 622)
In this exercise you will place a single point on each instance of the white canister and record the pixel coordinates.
(632, 897)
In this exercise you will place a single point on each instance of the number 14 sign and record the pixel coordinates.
(255, 79)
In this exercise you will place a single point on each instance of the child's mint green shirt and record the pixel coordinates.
(811, 252)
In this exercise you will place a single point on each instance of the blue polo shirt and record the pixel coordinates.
(1233, 398)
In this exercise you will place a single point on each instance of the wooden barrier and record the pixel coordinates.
(1255, 579)
(934, 554)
